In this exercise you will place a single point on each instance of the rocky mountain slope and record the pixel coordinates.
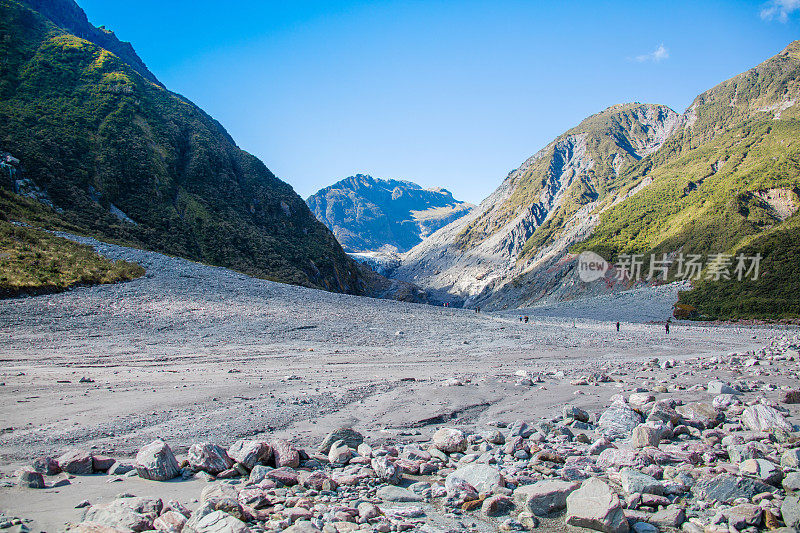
(369, 214)
(553, 190)
(724, 177)
(89, 131)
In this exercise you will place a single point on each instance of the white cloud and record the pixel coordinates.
(780, 9)
(659, 54)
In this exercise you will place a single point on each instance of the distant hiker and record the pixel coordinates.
(526, 319)
(666, 326)
(617, 327)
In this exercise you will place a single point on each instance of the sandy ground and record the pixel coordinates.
(195, 353)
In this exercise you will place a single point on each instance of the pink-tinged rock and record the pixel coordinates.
(209, 458)
(46, 465)
(284, 475)
(317, 480)
(622, 457)
(407, 466)
(76, 462)
(101, 463)
(297, 513)
(255, 498)
(250, 452)
(284, 453)
(170, 522)
(157, 462)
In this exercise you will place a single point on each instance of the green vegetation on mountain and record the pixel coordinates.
(33, 261)
(122, 158)
(727, 182)
(582, 161)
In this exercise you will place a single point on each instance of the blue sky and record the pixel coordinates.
(444, 93)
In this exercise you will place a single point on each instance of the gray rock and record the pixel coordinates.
(726, 488)
(700, 414)
(790, 510)
(792, 481)
(131, 514)
(544, 497)
(449, 440)
(391, 493)
(249, 453)
(497, 505)
(575, 413)
(339, 453)
(386, 470)
(157, 462)
(720, 387)
(761, 469)
(671, 517)
(618, 420)
(30, 480)
(485, 478)
(351, 438)
(791, 458)
(219, 522)
(595, 506)
(46, 465)
(120, 468)
(634, 481)
(302, 526)
(209, 458)
(764, 418)
(645, 436)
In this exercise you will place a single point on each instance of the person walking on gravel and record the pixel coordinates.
(666, 326)
(617, 326)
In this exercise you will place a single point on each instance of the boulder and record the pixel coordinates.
(339, 453)
(726, 488)
(28, 479)
(386, 471)
(618, 420)
(46, 465)
(170, 522)
(249, 453)
(544, 497)
(763, 418)
(634, 481)
(157, 462)
(700, 414)
(644, 436)
(284, 453)
(351, 438)
(76, 462)
(209, 458)
(595, 506)
(391, 493)
(450, 440)
(497, 505)
(219, 522)
(790, 510)
(791, 458)
(761, 469)
(720, 387)
(743, 516)
(222, 497)
(127, 514)
(485, 478)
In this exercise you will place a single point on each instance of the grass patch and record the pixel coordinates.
(33, 261)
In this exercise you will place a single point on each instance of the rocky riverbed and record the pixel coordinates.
(198, 399)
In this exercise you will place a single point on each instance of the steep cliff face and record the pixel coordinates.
(368, 214)
(552, 192)
(119, 156)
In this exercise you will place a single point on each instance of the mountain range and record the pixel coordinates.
(721, 178)
(368, 214)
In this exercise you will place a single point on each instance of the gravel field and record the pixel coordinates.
(194, 353)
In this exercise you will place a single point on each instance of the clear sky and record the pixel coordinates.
(445, 93)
